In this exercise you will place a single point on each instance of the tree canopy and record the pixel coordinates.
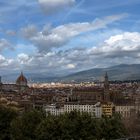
(35, 125)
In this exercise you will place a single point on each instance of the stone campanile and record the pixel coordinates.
(106, 88)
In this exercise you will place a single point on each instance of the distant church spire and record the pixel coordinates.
(106, 82)
(106, 75)
(106, 88)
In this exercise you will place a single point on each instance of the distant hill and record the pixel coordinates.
(119, 72)
(31, 77)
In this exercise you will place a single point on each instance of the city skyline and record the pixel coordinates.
(65, 36)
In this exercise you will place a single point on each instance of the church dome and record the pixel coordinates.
(21, 80)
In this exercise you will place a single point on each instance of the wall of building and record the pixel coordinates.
(127, 110)
(93, 110)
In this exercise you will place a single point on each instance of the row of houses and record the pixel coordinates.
(97, 110)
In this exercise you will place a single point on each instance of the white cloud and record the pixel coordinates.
(5, 62)
(4, 44)
(24, 58)
(113, 51)
(52, 6)
(70, 66)
(134, 37)
(117, 49)
(2, 59)
(29, 31)
(127, 42)
(56, 37)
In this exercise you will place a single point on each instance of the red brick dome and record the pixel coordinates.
(21, 80)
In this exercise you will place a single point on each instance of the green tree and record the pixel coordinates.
(72, 126)
(112, 128)
(24, 127)
(6, 117)
(69, 126)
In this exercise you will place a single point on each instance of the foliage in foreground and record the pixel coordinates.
(73, 126)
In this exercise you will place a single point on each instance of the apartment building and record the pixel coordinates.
(108, 109)
(94, 110)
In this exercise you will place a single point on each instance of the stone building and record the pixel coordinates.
(91, 94)
(19, 86)
(94, 110)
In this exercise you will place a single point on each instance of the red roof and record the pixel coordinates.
(21, 78)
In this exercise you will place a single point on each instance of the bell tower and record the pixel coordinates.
(106, 88)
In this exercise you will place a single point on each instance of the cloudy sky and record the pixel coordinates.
(64, 36)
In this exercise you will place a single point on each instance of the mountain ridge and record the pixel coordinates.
(117, 72)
